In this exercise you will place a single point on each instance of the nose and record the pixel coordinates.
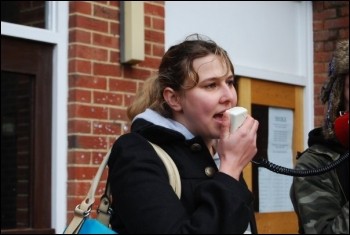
(228, 94)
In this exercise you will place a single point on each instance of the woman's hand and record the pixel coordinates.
(237, 149)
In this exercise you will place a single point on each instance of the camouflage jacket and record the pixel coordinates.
(321, 202)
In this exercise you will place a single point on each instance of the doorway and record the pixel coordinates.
(26, 117)
(258, 96)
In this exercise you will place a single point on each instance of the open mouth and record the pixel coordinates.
(218, 116)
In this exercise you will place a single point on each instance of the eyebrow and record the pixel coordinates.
(215, 78)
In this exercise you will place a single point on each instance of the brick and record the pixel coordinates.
(322, 57)
(79, 36)
(158, 24)
(88, 52)
(87, 111)
(106, 128)
(82, 172)
(158, 50)
(78, 188)
(154, 10)
(122, 85)
(138, 73)
(106, 69)
(154, 36)
(79, 126)
(80, 66)
(90, 23)
(107, 41)
(337, 23)
(151, 62)
(79, 95)
(118, 114)
(80, 7)
(105, 12)
(107, 98)
(79, 157)
(86, 81)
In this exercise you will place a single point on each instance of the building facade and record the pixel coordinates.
(78, 94)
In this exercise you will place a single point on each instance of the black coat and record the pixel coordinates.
(144, 202)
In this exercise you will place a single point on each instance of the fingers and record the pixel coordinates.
(254, 127)
(225, 127)
(250, 125)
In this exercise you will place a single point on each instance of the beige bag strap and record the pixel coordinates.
(173, 173)
(84, 208)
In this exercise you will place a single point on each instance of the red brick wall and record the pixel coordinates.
(330, 24)
(100, 87)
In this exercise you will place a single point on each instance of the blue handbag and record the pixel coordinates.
(93, 226)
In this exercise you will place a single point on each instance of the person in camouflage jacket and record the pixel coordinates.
(322, 202)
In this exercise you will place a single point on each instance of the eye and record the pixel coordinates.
(231, 82)
(211, 85)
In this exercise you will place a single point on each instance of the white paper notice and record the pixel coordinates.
(274, 188)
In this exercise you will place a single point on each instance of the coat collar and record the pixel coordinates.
(157, 119)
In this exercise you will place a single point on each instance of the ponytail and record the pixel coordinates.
(145, 97)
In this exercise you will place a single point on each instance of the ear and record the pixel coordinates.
(172, 98)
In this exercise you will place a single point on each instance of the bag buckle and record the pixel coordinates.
(80, 212)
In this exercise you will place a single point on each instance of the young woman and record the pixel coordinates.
(183, 110)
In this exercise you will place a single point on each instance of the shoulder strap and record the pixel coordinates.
(173, 173)
(84, 208)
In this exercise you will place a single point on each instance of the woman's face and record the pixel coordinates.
(203, 105)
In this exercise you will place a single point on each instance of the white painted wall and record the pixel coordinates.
(265, 40)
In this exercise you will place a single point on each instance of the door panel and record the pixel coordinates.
(26, 94)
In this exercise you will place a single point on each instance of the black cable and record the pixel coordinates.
(295, 172)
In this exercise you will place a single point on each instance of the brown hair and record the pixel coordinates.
(175, 71)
